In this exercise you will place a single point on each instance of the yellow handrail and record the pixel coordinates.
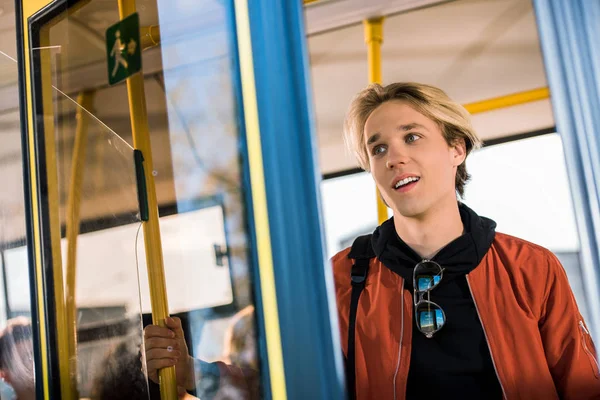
(85, 101)
(374, 39)
(152, 240)
(149, 36)
(513, 99)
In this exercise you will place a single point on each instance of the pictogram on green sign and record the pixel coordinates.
(123, 49)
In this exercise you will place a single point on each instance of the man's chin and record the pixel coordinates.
(409, 210)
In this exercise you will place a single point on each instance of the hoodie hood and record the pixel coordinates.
(458, 257)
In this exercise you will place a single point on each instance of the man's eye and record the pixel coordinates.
(378, 150)
(411, 137)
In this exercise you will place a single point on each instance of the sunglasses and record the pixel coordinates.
(429, 316)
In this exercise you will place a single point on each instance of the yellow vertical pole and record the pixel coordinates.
(152, 241)
(85, 101)
(68, 377)
(374, 39)
(99, 154)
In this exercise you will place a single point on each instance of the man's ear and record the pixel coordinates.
(459, 149)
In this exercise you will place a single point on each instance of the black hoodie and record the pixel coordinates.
(456, 362)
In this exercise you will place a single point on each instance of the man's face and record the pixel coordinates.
(413, 166)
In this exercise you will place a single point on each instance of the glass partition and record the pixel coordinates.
(91, 196)
(16, 340)
(192, 101)
(203, 106)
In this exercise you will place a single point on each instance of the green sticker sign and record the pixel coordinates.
(123, 49)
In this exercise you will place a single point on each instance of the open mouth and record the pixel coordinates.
(406, 184)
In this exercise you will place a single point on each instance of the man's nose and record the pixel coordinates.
(396, 156)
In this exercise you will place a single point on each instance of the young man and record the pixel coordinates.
(493, 316)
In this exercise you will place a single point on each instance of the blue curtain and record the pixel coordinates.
(570, 40)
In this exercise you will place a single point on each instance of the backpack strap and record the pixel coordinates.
(362, 253)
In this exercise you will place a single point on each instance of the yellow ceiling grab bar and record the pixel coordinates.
(149, 36)
(509, 100)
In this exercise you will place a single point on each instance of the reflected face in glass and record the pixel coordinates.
(410, 160)
(16, 357)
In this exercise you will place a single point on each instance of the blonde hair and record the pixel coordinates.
(434, 103)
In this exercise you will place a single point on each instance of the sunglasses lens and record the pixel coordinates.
(427, 275)
(430, 318)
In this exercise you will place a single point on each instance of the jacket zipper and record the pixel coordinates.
(589, 353)
(486, 337)
(401, 339)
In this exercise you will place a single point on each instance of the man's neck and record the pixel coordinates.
(430, 232)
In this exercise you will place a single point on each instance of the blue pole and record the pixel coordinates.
(304, 281)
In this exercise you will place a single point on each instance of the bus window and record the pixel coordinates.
(523, 186)
(341, 197)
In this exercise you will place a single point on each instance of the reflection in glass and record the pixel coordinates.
(16, 357)
(200, 88)
(240, 340)
(123, 377)
(16, 346)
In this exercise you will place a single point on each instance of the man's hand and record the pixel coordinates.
(166, 347)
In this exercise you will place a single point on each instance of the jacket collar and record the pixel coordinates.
(458, 257)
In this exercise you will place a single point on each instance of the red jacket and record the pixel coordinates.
(539, 343)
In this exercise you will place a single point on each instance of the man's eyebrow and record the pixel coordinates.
(373, 139)
(410, 126)
(407, 127)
